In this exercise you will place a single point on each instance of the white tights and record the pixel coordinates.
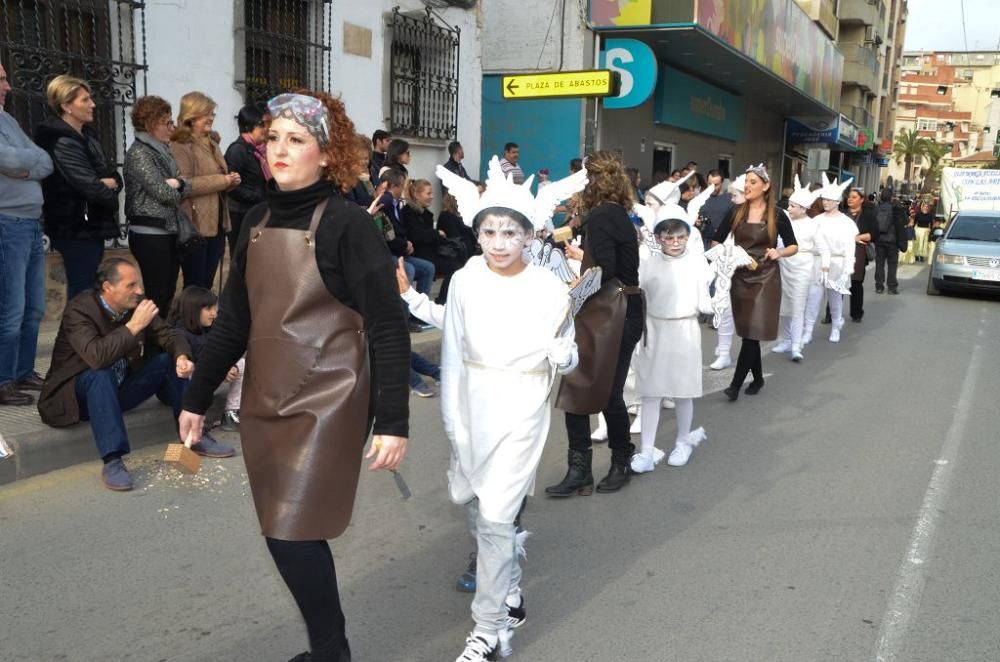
(650, 413)
(815, 300)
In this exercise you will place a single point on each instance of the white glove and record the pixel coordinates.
(562, 353)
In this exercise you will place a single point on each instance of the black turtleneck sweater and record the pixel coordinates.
(356, 268)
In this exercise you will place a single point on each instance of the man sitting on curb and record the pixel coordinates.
(101, 366)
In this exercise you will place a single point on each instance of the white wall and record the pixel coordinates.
(514, 40)
(363, 82)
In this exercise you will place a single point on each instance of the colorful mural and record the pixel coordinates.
(779, 36)
(614, 13)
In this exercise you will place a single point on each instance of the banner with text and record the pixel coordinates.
(690, 103)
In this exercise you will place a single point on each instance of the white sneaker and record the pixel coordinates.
(682, 451)
(721, 363)
(782, 347)
(642, 463)
(835, 330)
(478, 649)
(636, 427)
(667, 403)
(796, 354)
(601, 433)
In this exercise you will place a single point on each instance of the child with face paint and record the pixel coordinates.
(669, 362)
(837, 234)
(499, 354)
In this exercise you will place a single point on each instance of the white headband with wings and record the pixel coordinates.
(802, 196)
(832, 190)
(501, 191)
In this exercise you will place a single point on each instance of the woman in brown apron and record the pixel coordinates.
(312, 300)
(756, 289)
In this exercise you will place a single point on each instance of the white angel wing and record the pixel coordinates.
(588, 285)
(546, 256)
(550, 196)
(697, 202)
(647, 215)
(466, 193)
(842, 284)
(649, 239)
(668, 191)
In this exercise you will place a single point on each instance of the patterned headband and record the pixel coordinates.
(760, 170)
(307, 111)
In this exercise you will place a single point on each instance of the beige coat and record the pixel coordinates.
(201, 164)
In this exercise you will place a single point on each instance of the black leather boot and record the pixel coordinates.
(579, 476)
(618, 476)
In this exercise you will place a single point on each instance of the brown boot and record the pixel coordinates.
(9, 395)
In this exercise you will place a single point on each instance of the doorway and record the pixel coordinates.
(663, 162)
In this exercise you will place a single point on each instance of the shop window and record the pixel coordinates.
(99, 41)
(423, 77)
(286, 45)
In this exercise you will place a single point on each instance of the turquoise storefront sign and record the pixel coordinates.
(636, 64)
(690, 103)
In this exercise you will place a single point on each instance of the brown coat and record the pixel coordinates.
(89, 339)
(202, 165)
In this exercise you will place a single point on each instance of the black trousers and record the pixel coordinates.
(308, 570)
(159, 262)
(236, 222)
(857, 300)
(886, 255)
(748, 360)
(616, 412)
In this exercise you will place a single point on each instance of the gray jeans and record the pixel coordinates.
(498, 571)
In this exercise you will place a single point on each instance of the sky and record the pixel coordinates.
(934, 25)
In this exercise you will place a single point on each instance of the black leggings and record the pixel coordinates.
(308, 570)
(749, 360)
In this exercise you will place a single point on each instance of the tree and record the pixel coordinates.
(934, 152)
(907, 147)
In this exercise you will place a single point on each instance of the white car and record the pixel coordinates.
(967, 257)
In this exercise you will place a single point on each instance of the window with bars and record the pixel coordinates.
(423, 77)
(99, 41)
(286, 45)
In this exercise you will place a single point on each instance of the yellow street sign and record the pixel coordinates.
(593, 83)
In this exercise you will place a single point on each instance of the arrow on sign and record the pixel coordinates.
(511, 86)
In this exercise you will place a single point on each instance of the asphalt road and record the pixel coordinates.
(847, 513)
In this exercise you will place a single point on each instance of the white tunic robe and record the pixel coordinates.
(495, 382)
(837, 232)
(668, 361)
(799, 271)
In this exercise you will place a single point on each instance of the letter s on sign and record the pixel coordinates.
(623, 55)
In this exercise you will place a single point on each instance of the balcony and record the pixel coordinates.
(824, 13)
(865, 12)
(858, 115)
(860, 66)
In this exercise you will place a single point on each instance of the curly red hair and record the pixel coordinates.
(344, 163)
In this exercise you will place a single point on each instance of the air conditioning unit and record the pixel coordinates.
(872, 36)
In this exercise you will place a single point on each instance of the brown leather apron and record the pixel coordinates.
(306, 391)
(756, 295)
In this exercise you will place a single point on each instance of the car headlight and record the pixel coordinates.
(945, 258)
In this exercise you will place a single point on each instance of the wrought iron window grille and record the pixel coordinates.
(100, 41)
(423, 77)
(285, 45)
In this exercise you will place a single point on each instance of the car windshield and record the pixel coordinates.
(975, 228)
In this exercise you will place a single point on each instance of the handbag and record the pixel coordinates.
(188, 236)
(870, 251)
(452, 249)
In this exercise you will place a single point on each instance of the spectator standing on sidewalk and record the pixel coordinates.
(247, 157)
(924, 218)
(509, 163)
(891, 241)
(201, 163)
(102, 366)
(81, 195)
(378, 146)
(715, 209)
(154, 190)
(22, 257)
(863, 215)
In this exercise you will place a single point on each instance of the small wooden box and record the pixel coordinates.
(562, 234)
(183, 458)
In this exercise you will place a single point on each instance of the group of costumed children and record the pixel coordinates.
(508, 332)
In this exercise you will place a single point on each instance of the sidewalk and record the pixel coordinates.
(39, 449)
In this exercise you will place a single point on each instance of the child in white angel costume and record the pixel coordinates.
(507, 332)
(798, 272)
(837, 233)
(726, 326)
(668, 363)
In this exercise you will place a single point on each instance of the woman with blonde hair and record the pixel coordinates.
(429, 243)
(81, 195)
(756, 226)
(611, 243)
(202, 165)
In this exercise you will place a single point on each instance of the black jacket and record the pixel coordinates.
(419, 226)
(76, 204)
(240, 158)
(897, 234)
(397, 246)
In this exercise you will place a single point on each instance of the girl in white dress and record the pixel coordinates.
(838, 236)
(798, 272)
(668, 363)
(505, 337)
(727, 327)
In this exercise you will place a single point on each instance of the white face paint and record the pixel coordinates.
(502, 240)
(796, 211)
(830, 205)
(738, 198)
(652, 202)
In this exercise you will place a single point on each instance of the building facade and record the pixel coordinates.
(397, 65)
